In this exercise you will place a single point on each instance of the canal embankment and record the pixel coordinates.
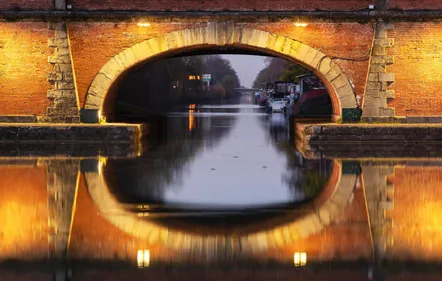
(368, 140)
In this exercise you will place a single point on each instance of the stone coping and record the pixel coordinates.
(71, 133)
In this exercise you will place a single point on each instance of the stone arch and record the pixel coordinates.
(225, 34)
(326, 207)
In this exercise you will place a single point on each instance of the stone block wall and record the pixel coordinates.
(379, 80)
(62, 180)
(62, 94)
(379, 194)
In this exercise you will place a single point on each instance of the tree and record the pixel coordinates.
(278, 69)
(292, 71)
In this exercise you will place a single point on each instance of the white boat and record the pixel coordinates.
(277, 105)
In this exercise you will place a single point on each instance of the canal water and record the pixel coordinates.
(219, 184)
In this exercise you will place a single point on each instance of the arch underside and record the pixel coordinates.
(326, 207)
(218, 35)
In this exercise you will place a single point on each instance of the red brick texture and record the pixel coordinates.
(220, 5)
(417, 228)
(348, 40)
(417, 66)
(93, 44)
(414, 4)
(23, 213)
(27, 5)
(23, 66)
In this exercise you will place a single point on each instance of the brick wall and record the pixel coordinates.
(417, 230)
(23, 213)
(26, 5)
(93, 44)
(349, 40)
(219, 5)
(413, 4)
(417, 66)
(104, 40)
(23, 67)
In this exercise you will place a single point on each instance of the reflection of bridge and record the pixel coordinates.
(355, 226)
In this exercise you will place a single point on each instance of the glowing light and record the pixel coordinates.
(143, 24)
(301, 24)
(143, 258)
(191, 117)
(300, 259)
(101, 119)
(101, 163)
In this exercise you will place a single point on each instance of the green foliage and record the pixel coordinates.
(292, 71)
(278, 69)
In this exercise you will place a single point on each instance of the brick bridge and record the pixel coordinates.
(60, 59)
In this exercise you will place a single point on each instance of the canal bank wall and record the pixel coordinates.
(367, 140)
(311, 133)
(72, 133)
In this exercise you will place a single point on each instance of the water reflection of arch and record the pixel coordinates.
(326, 207)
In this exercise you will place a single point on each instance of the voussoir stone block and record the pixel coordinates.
(271, 41)
(262, 39)
(325, 66)
(129, 57)
(101, 82)
(279, 43)
(334, 72)
(318, 58)
(155, 45)
(340, 81)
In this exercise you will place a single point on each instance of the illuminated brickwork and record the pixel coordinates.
(23, 68)
(417, 66)
(23, 213)
(417, 231)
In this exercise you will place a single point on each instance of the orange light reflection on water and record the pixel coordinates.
(191, 117)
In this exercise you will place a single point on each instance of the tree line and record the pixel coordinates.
(158, 84)
(278, 69)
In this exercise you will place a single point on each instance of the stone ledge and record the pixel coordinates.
(74, 133)
(369, 133)
(18, 119)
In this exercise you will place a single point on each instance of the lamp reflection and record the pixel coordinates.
(191, 117)
(300, 259)
(143, 258)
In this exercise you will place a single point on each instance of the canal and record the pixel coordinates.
(214, 185)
